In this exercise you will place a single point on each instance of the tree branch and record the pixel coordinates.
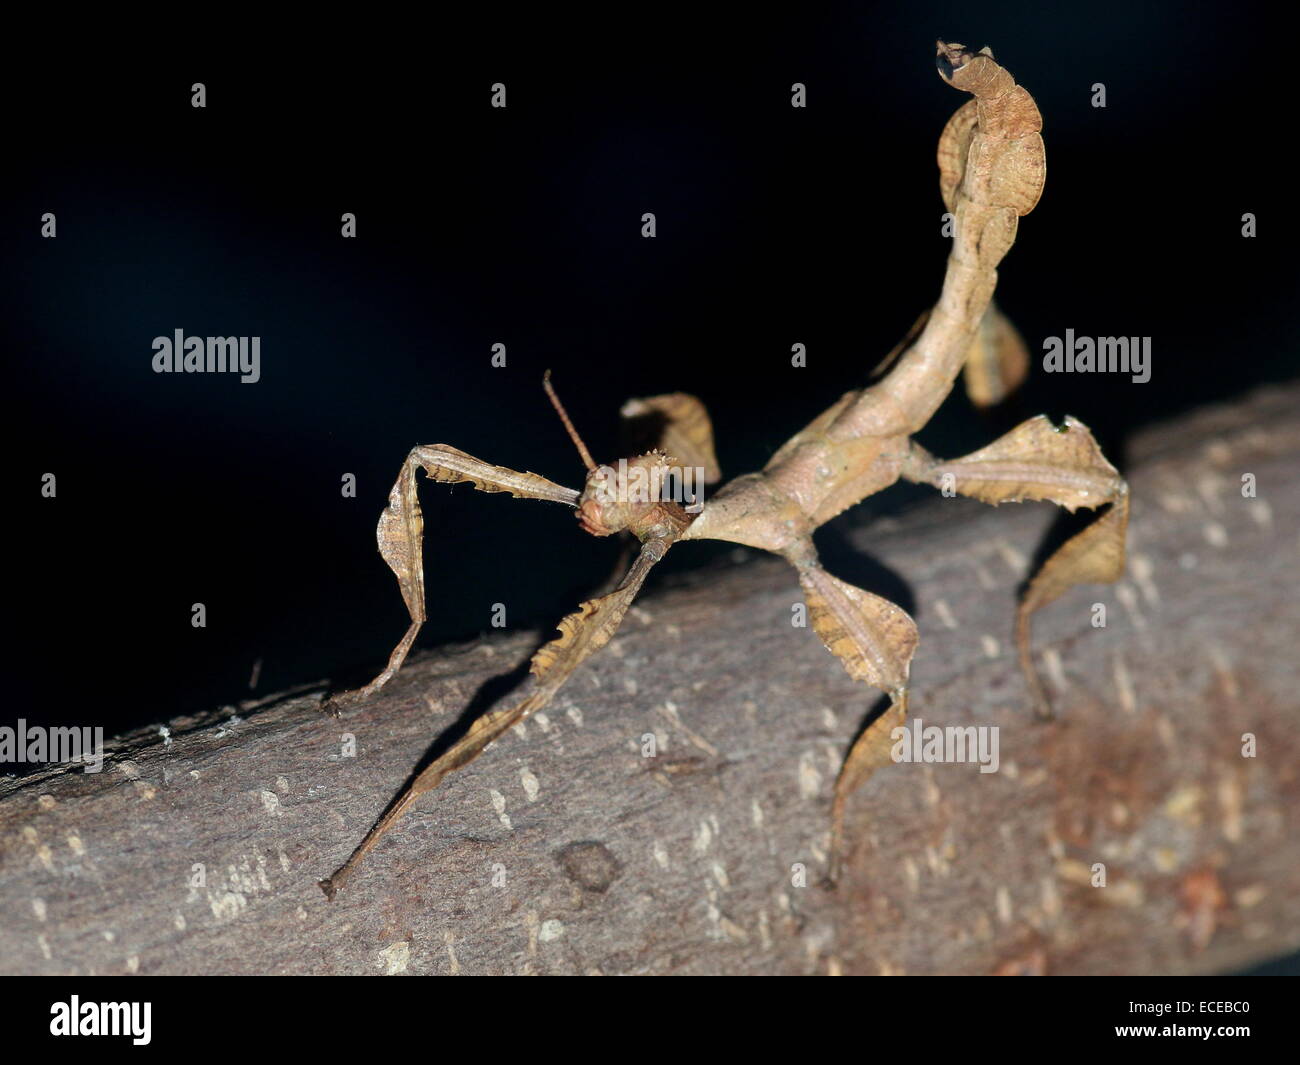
(564, 850)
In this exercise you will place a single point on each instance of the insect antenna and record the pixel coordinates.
(564, 417)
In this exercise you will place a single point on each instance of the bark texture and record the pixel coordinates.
(565, 850)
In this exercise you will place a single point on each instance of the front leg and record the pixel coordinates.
(401, 536)
(582, 634)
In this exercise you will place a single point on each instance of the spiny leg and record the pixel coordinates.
(676, 424)
(582, 634)
(875, 640)
(1040, 461)
(401, 533)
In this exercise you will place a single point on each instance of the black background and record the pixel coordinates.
(522, 226)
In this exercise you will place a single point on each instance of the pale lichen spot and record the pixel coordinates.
(1013, 557)
(670, 711)
(1073, 871)
(991, 647)
(46, 802)
(1055, 845)
(1251, 896)
(1215, 534)
(945, 614)
(932, 794)
(1230, 802)
(732, 930)
(1127, 893)
(810, 780)
(226, 905)
(39, 908)
(74, 843)
(1129, 599)
(1223, 670)
(499, 805)
(660, 854)
(1184, 805)
(1051, 898)
(550, 931)
(529, 780)
(1124, 687)
(575, 715)
(1142, 570)
(1002, 899)
(1055, 668)
(703, 838)
(834, 759)
(270, 802)
(394, 958)
(1035, 778)
(1165, 859)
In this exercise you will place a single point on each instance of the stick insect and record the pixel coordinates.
(991, 172)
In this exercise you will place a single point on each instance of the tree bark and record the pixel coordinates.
(565, 850)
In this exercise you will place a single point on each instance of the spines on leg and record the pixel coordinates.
(1059, 464)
